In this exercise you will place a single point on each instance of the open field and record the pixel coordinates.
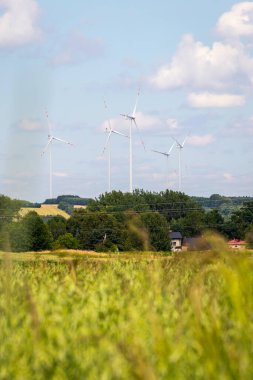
(45, 210)
(70, 315)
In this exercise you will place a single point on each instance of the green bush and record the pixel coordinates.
(66, 241)
(30, 234)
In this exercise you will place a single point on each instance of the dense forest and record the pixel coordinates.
(119, 221)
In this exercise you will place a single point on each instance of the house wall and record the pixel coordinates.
(176, 243)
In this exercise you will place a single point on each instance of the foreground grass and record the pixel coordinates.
(185, 317)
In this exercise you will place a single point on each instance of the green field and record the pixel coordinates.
(95, 316)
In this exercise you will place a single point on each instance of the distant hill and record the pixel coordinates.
(71, 199)
(68, 202)
(225, 205)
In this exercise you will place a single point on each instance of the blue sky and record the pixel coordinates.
(193, 63)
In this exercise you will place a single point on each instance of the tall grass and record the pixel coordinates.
(189, 317)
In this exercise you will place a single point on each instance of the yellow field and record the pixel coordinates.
(45, 210)
(69, 254)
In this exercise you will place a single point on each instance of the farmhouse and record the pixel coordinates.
(176, 240)
(237, 244)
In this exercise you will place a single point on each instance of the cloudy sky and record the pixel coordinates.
(191, 60)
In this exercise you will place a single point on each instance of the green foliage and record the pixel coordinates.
(9, 209)
(225, 205)
(214, 220)
(93, 228)
(158, 230)
(190, 225)
(241, 222)
(185, 317)
(30, 234)
(97, 229)
(66, 241)
(171, 204)
(69, 199)
(117, 201)
(69, 208)
(57, 226)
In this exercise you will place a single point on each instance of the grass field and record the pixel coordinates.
(70, 315)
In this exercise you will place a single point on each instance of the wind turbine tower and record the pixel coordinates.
(180, 147)
(107, 147)
(132, 120)
(48, 147)
(167, 155)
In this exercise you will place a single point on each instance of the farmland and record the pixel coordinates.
(44, 210)
(84, 315)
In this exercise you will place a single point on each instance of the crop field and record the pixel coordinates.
(127, 316)
(44, 210)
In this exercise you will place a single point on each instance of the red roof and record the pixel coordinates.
(236, 242)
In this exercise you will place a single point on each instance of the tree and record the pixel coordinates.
(57, 226)
(158, 231)
(9, 209)
(30, 234)
(66, 241)
(91, 228)
(192, 224)
(240, 222)
(214, 220)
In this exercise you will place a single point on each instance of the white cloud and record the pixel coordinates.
(199, 66)
(237, 22)
(200, 140)
(18, 22)
(78, 48)
(115, 123)
(144, 121)
(172, 123)
(208, 100)
(30, 125)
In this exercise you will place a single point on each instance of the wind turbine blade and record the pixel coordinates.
(64, 141)
(172, 146)
(138, 130)
(178, 143)
(119, 133)
(157, 151)
(46, 147)
(184, 140)
(108, 120)
(107, 141)
(136, 102)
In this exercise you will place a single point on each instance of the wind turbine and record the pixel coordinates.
(132, 119)
(48, 147)
(107, 146)
(166, 154)
(180, 147)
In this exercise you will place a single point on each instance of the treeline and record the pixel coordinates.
(225, 205)
(119, 221)
(183, 213)
(85, 230)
